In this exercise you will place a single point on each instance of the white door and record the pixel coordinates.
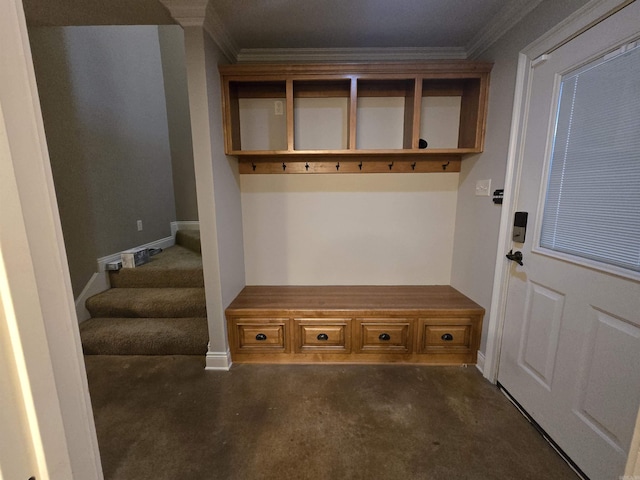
(570, 353)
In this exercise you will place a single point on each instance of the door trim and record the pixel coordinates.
(501, 278)
(35, 287)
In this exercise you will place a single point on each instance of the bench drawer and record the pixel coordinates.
(385, 335)
(445, 335)
(322, 335)
(360, 324)
(260, 335)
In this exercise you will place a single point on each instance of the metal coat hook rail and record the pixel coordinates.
(344, 164)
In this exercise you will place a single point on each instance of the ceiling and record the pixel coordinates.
(248, 28)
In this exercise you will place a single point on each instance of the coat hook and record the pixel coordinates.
(445, 165)
(338, 166)
(413, 166)
(360, 165)
(253, 165)
(306, 166)
(391, 165)
(284, 166)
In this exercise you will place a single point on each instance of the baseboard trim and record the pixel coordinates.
(218, 361)
(184, 225)
(98, 283)
(165, 242)
(480, 362)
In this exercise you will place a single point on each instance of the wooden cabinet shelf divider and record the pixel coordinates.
(315, 118)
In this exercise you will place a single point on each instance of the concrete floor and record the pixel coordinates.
(166, 417)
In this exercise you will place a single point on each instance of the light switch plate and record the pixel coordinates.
(483, 188)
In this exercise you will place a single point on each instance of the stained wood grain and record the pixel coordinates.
(431, 325)
(362, 300)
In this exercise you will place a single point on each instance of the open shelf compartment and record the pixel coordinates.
(354, 112)
(257, 114)
(321, 112)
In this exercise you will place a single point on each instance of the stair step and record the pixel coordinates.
(144, 336)
(158, 308)
(189, 239)
(176, 266)
(148, 302)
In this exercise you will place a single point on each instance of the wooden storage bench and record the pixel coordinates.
(433, 324)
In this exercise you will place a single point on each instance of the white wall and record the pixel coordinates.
(217, 187)
(478, 218)
(348, 229)
(174, 72)
(226, 186)
(102, 96)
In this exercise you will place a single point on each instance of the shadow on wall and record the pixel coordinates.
(106, 110)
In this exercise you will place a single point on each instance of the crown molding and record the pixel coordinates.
(188, 13)
(306, 55)
(216, 29)
(504, 21)
(200, 13)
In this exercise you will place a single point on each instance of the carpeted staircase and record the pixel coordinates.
(155, 309)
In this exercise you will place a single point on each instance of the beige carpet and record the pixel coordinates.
(151, 336)
(174, 267)
(148, 302)
(155, 309)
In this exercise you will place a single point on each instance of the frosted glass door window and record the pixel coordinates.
(592, 205)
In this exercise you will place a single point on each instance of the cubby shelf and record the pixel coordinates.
(354, 117)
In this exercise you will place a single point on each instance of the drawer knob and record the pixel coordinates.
(322, 336)
(447, 337)
(384, 337)
(261, 337)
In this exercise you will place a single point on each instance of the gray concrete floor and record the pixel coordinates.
(166, 417)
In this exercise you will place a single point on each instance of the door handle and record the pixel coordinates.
(515, 256)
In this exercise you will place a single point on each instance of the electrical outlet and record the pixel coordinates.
(139, 222)
(483, 188)
(278, 107)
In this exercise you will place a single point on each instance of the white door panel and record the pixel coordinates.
(570, 350)
(540, 332)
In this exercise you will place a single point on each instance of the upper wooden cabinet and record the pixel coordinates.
(353, 113)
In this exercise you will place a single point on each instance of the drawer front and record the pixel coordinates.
(388, 335)
(260, 335)
(445, 335)
(319, 335)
